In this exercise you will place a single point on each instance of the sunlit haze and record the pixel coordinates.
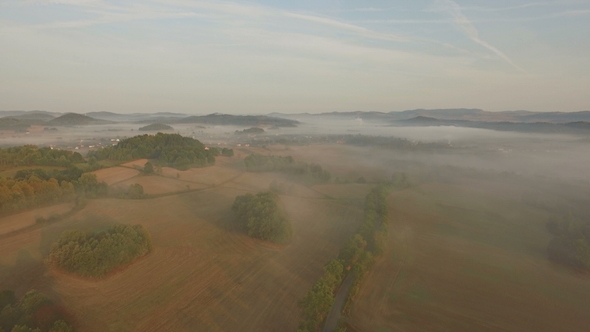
(254, 57)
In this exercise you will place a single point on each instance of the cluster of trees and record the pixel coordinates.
(28, 155)
(253, 130)
(34, 312)
(32, 191)
(357, 256)
(156, 127)
(260, 216)
(171, 150)
(570, 245)
(260, 163)
(135, 191)
(95, 254)
(224, 152)
(70, 174)
(33, 187)
(319, 300)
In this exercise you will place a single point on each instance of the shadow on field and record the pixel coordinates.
(28, 272)
(213, 207)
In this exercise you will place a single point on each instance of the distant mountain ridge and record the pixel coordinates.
(518, 120)
(574, 128)
(75, 119)
(471, 114)
(239, 120)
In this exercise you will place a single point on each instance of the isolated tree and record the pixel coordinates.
(148, 168)
(135, 191)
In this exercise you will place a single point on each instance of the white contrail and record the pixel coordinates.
(470, 31)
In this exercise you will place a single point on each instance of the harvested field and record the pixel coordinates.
(25, 219)
(115, 174)
(203, 276)
(468, 260)
(348, 163)
(211, 176)
(156, 185)
(355, 191)
(138, 164)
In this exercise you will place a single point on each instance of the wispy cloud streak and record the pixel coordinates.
(465, 25)
(523, 6)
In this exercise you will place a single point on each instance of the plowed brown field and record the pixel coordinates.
(28, 218)
(115, 174)
(465, 260)
(202, 275)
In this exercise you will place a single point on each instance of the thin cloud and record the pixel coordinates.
(569, 13)
(465, 25)
(372, 9)
(112, 18)
(260, 11)
(347, 26)
(522, 6)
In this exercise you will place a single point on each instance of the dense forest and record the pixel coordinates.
(29, 189)
(34, 312)
(260, 216)
(171, 150)
(238, 120)
(28, 155)
(95, 254)
(260, 163)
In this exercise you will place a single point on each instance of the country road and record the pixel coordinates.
(339, 301)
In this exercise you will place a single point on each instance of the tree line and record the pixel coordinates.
(34, 312)
(31, 191)
(95, 254)
(34, 187)
(28, 155)
(357, 256)
(312, 172)
(261, 217)
(172, 150)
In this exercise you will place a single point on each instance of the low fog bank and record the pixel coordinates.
(547, 155)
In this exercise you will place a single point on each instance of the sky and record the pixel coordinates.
(258, 57)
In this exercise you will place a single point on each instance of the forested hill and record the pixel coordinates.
(240, 120)
(28, 155)
(165, 149)
(74, 119)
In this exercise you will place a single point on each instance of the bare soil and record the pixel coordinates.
(468, 260)
(202, 275)
(25, 219)
(115, 174)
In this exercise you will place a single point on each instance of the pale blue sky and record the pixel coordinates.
(293, 56)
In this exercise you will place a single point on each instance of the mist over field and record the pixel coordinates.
(495, 210)
(298, 166)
